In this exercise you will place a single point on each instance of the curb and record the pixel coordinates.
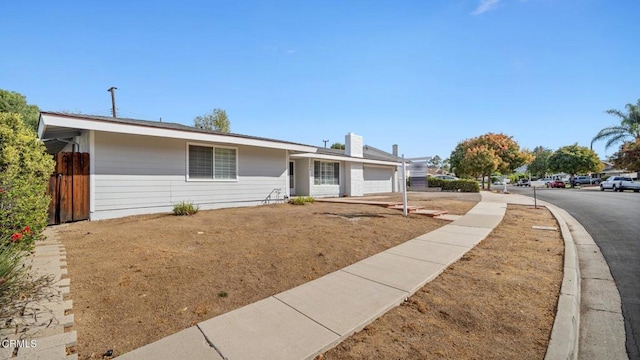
(565, 334)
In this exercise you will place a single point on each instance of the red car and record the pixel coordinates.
(556, 184)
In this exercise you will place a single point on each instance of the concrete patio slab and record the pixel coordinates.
(479, 220)
(429, 251)
(186, 344)
(268, 329)
(342, 302)
(397, 271)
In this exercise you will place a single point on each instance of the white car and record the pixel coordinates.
(445, 177)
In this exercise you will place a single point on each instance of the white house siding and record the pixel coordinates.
(378, 179)
(142, 174)
(354, 176)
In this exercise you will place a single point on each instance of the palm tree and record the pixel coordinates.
(629, 127)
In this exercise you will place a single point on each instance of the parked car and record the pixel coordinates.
(556, 184)
(583, 180)
(523, 182)
(445, 177)
(620, 183)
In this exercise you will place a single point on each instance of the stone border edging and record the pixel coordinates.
(42, 327)
(565, 334)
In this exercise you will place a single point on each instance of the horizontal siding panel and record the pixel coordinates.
(325, 190)
(140, 195)
(128, 189)
(142, 174)
(143, 178)
(131, 203)
(120, 154)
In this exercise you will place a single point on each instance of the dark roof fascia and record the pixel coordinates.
(339, 152)
(164, 125)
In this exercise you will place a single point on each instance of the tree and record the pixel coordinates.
(574, 159)
(13, 102)
(540, 163)
(337, 145)
(435, 162)
(446, 164)
(629, 128)
(24, 173)
(628, 157)
(216, 120)
(494, 152)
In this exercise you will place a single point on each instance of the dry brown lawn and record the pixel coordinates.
(138, 279)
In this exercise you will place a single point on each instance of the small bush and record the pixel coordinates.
(185, 208)
(301, 200)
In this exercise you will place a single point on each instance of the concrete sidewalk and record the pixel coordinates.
(307, 320)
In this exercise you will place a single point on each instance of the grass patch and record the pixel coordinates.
(185, 208)
(301, 200)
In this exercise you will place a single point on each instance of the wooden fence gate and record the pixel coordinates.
(69, 188)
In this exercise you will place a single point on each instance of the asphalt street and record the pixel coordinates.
(613, 220)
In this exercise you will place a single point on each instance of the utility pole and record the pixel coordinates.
(113, 100)
(325, 143)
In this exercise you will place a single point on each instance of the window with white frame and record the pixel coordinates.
(326, 173)
(212, 163)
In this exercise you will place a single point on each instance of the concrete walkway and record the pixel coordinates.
(42, 331)
(307, 320)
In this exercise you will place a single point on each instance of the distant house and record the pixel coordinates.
(609, 170)
(141, 167)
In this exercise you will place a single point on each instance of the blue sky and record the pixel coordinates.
(421, 74)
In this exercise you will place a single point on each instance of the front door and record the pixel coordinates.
(292, 186)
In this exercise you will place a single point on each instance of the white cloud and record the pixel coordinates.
(485, 5)
(291, 51)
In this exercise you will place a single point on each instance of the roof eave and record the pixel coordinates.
(75, 122)
(344, 158)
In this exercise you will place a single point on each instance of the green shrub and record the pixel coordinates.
(436, 182)
(464, 185)
(185, 208)
(301, 200)
(25, 168)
